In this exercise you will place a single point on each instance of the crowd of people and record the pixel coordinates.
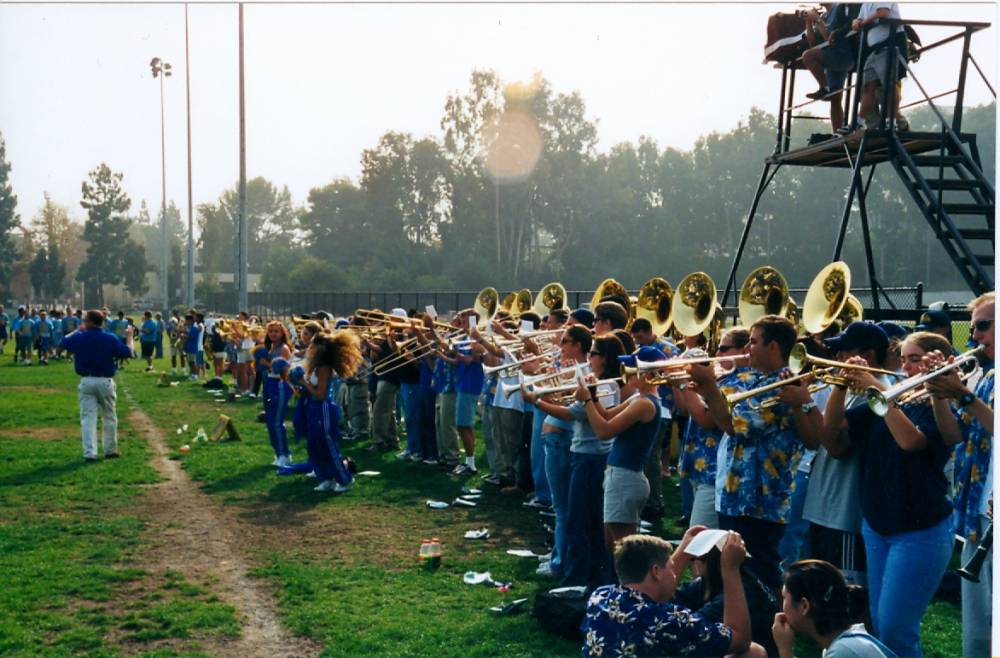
(817, 502)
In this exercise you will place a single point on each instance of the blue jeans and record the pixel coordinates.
(538, 474)
(795, 540)
(904, 571)
(557, 470)
(586, 561)
(687, 497)
(410, 394)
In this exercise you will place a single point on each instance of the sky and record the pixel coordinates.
(325, 81)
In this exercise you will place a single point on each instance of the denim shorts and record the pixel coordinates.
(837, 63)
(625, 493)
(465, 409)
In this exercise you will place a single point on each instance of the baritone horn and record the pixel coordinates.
(764, 292)
(827, 297)
(655, 303)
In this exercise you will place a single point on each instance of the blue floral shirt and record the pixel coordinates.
(700, 447)
(757, 464)
(972, 462)
(621, 621)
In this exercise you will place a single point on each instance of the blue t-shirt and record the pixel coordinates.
(444, 377)
(621, 621)
(147, 333)
(23, 326)
(43, 328)
(94, 352)
(631, 448)
(192, 344)
(469, 377)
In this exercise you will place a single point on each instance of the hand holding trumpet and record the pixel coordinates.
(948, 385)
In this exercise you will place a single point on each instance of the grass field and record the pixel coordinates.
(85, 548)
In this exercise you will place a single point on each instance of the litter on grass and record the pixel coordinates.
(461, 502)
(482, 533)
(437, 504)
(521, 552)
(370, 473)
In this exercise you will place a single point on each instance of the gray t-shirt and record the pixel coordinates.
(833, 499)
(879, 33)
(584, 439)
(855, 642)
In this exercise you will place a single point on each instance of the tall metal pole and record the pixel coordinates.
(190, 241)
(241, 261)
(164, 249)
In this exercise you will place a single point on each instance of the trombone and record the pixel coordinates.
(800, 358)
(505, 368)
(571, 387)
(650, 368)
(825, 375)
(529, 381)
(881, 401)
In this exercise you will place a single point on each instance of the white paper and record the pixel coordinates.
(489, 329)
(526, 326)
(431, 311)
(473, 320)
(705, 541)
(521, 552)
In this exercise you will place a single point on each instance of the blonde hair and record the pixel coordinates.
(983, 299)
(340, 351)
(929, 341)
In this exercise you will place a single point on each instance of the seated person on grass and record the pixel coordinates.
(638, 618)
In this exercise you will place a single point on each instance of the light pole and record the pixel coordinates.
(161, 70)
(189, 297)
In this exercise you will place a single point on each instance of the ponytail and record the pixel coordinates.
(834, 605)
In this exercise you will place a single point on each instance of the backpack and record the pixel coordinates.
(562, 613)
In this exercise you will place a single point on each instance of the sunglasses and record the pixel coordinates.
(726, 348)
(594, 354)
(982, 325)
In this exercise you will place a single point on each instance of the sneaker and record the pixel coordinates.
(416, 458)
(431, 462)
(848, 129)
(536, 504)
(545, 569)
(113, 455)
(149, 369)
(513, 490)
(326, 485)
(340, 488)
(819, 94)
(463, 469)
(492, 479)
(90, 459)
(311, 474)
(276, 462)
(402, 456)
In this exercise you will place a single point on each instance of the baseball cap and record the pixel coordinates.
(584, 317)
(933, 318)
(650, 353)
(893, 330)
(859, 336)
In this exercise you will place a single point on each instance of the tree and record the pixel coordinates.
(281, 261)
(106, 231)
(335, 225)
(9, 219)
(135, 267)
(315, 274)
(39, 275)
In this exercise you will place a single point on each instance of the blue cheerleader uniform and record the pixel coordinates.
(323, 438)
(277, 393)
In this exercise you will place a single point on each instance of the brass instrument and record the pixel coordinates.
(571, 387)
(653, 373)
(550, 298)
(606, 288)
(975, 564)
(800, 358)
(694, 304)
(881, 401)
(505, 368)
(826, 297)
(735, 398)
(485, 306)
(764, 292)
(516, 303)
(655, 303)
(528, 381)
(920, 394)
(853, 311)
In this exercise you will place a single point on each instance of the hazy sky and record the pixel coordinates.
(324, 81)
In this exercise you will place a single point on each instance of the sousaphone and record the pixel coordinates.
(486, 304)
(606, 288)
(826, 297)
(694, 304)
(550, 298)
(764, 292)
(655, 303)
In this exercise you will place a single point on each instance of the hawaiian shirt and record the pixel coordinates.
(972, 461)
(757, 464)
(700, 447)
(621, 621)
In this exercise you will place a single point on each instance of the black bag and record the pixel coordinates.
(215, 383)
(561, 614)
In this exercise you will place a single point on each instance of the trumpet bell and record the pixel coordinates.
(550, 298)
(826, 297)
(486, 304)
(694, 304)
(764, 292)
(655, 303)
(606, 288)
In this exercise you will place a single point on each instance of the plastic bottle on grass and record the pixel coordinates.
(425, 548)
(434, 553)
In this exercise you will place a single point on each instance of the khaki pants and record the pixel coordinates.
(507, 437)
(359, 409)
(384, 425)
(98, 395)
(447, 433)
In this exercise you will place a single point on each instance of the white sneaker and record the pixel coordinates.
(277, 462)
(404, 455)
(173, 371)
(340, 488)
(311, 474)
(326, 485)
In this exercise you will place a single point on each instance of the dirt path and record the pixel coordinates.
(199, 538)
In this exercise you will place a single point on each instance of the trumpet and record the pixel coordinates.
(526, 381)
(881, 401)
(920, 394)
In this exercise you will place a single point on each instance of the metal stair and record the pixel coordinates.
(956, 199)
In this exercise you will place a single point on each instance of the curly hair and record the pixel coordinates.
(340, 351)
(285, 339)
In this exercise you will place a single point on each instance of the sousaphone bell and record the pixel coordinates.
(826, 297)
(764, 292)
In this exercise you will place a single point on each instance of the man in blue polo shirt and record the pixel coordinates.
(95, 352)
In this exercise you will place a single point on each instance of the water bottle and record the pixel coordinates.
(434, 553)
(425, 549)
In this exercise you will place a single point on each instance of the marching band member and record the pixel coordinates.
(23, 328)
(359, 421)
(159, 335)
(757, 461)
(147, 338)
(329, 355)
(971, 426)
(244, 345)
(702, 436)
(427, 400)
(384, 438)
(443, 382)
(907, 526)
(174, 330)
(469, 382)
(43, 337)
(4, 321)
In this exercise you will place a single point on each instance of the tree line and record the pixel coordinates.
(513, 192)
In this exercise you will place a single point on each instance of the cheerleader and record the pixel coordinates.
(308, 330)
(277, 392)
(329, 356)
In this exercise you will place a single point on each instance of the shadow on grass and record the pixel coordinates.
(55, 472)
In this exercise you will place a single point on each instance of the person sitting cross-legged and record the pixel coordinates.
(637, 618)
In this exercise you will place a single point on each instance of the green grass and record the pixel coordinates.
(343, 568)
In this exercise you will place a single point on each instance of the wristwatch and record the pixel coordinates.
(966, 399)
(807, 407)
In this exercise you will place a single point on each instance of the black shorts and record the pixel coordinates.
(148, 349)
(844, 550)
